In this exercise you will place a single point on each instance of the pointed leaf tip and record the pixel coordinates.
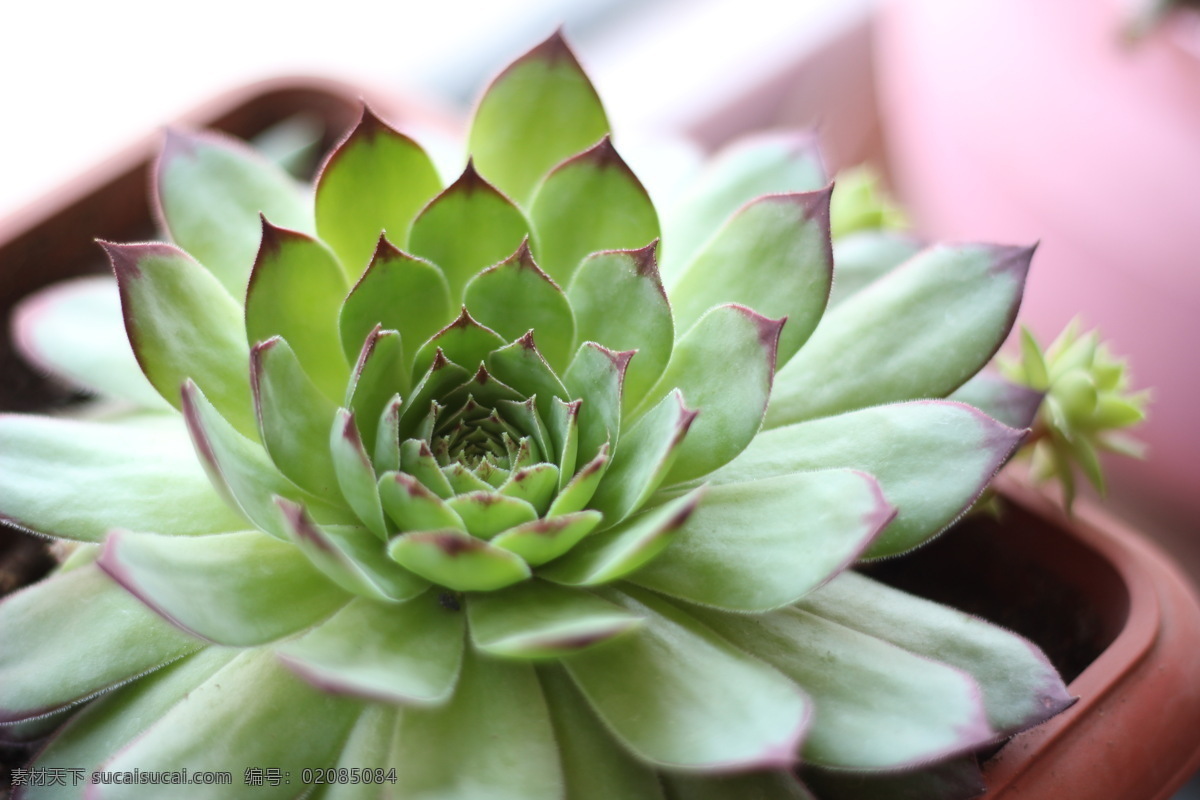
(1013, 259)
(768, 329)
(125, 258)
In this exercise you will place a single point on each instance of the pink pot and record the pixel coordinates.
(1024, 120)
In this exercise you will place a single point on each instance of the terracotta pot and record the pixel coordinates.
(1111, 611)
(1024, 120)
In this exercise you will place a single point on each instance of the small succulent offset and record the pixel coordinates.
(503, 490)
(1087, 405)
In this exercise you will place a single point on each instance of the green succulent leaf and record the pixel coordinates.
(464, 341)
(618, 551)
(932, 458)
(596, 375)
(1020, 687)
(380, 369)
(724, 366)
(921, 331)
(515, 296)
(350, 556)
(183, 325)
(522, 366)
(1011, 403)
(754, 166)
(487, 513)
(536, 485)
(386, 455)
(537, 619)
(876, 705)
(240, 470)
(763, 544)
(619, 302)
(232, 588)
(116, 718)
(671, 716)
(416, 459)
(413, 507)
(372, 302)
(457, 560)
(110, 631)
(296, 292)
(466, 228)
(249, 714)
(775, 256)
(579, 490)
(369, 746)
(374, 182)
(492, 740)
(408, 653)
(543, 540)
(210, 190)
(293, 417)
(594, 766)
(76, 479)
(539, 111)
(74, 330)
(866, 256)
(590, 202)
(647, 454)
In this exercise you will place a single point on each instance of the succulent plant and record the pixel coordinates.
(489, 491)
(1088, 404)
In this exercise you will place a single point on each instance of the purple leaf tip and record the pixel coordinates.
(1013, 259)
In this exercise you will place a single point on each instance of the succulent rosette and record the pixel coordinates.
(496, 486)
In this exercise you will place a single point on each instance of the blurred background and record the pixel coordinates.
(1074, 123)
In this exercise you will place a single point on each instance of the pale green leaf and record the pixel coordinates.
(252, 714)
(111, 721)
(458, 560)
(544, 540)
(774, 256)
(1020, 687)
(78, 479)
(516, 296)
(864, 257)
(210, 190)
(919, 332)
(698, 701)
(408, 653)
(590, 202)
(466, 228)
(232, 588)
(619, 302)
(932, 459)
(749, 168)
(296, 291)
(540, 110)
(648, 451)
(535, 620)
(492, 741)
(397, 292)
(241, 470)
(724, 367)
(294, 417)
(594, 766)
(617, 551)
(374, 182)
(876, 705)
(183, 325)
(74, 635)
(763, 544)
